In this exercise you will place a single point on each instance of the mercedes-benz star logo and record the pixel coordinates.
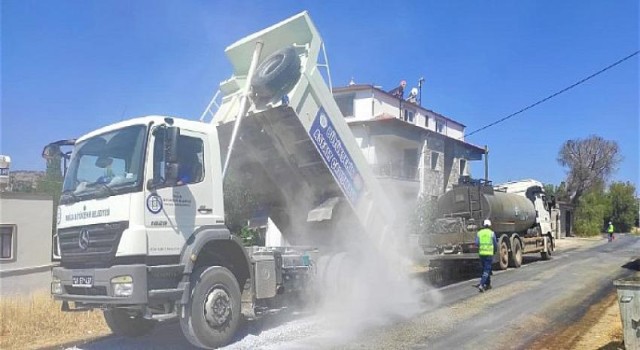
(83, 239)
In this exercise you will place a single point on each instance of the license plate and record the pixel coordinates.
(82, 281)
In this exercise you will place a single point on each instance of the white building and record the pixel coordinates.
(5, 163)
(26, 221)
(411, 149)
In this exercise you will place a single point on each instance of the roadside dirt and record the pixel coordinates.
(600, 328)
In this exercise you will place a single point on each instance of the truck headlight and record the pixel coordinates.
(56, 286)
(122, 286)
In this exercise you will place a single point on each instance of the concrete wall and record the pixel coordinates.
(28, 269)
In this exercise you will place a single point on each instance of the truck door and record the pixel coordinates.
(543, 210)
(175, 210)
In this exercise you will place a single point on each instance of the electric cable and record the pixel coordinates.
(551, 96)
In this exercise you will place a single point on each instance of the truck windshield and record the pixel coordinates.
(105, 165)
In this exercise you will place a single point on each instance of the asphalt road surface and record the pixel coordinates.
(524, 305)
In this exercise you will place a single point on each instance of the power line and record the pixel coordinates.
(552, 96)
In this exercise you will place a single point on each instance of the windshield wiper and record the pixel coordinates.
(68, 195)
(103, 185)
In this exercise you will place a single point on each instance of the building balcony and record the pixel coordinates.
(396, 170)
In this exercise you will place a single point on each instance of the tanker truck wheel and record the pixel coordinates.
(516, 253)
(277, 74)
(503, 253)
(547, 255)
(212, 316)
(125, 324)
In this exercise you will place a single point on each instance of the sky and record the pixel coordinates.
(68, 67)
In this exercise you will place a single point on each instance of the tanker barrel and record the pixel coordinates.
(508, 212)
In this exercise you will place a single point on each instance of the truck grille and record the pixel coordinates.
(97, 290)
(96, 248)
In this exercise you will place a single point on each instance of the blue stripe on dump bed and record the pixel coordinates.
(335, 155)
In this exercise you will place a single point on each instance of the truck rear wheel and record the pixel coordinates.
(503, 253)
(126, 324)
(333, 277)
(212, 316)
(516, 253)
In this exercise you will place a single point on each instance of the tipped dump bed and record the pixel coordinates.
(297, 152)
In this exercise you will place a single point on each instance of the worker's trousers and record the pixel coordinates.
(486, 262)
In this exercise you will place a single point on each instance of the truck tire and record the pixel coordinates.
(516, 253)
(333, 277)
(277, 74)
(125, 324)
(503, 253)
(547, 255)
(212, 316)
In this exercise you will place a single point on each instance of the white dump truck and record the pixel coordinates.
(520, 213)
(141, 222)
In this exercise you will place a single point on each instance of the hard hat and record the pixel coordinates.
(609, 222)
(486, 223)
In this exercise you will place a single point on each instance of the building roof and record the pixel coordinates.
(391, 120)
(363, 87)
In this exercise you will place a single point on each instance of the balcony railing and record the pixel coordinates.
(396, 170)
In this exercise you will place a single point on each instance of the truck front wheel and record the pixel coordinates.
(211, 317)
(123, 323)
(547, 255)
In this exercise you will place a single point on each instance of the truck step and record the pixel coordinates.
(171, 294)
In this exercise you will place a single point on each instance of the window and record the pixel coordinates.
(4, 171)
(190, 160)
(426, 121)
(463, 166)
(434, 160)
(410, 164)
(111, 161)
(439, 126)
(7, 240)
(345, 103)
(408, 115)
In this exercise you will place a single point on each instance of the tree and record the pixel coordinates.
(550, 190)
(591, 211)
(591, 162)
(251, 237)
(51, 183)
(239, 206)
(623, 210)
(558, 192)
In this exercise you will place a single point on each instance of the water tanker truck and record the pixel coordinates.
(519, 212)
(141, 223)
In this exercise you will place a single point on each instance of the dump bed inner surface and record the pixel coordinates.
(275, 159)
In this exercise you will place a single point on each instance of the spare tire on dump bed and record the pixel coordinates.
(277, 74)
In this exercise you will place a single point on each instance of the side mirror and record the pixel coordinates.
(171, 153)
(171, 144)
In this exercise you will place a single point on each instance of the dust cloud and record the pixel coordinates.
(369, 282)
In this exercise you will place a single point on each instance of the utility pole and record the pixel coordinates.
(486, 163)
(420, 82)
